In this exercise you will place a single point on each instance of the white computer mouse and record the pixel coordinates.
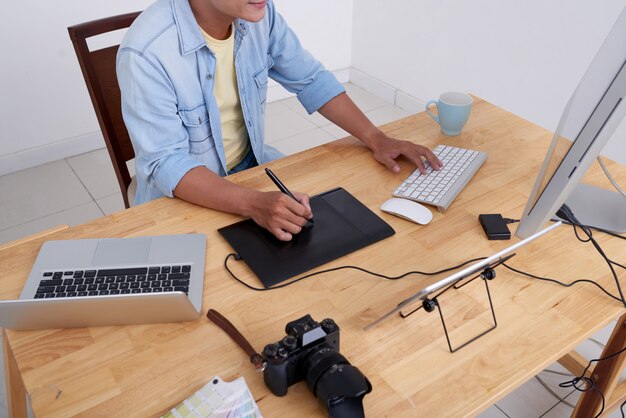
(408, 210)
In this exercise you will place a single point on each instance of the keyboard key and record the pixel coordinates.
(146, 290)
(182, 289)
(124, 286)
(93, 293)
(115, 292)
(90, 280)
(60, 295)
(99, 280)
(122, 272)
(82, 287)
(103, 286)
(120, 279)
(157, 290)
(141, 278)
(114, 286)
(125, 291)
(103, 293)
(53, 282)
(155, 283)
(176, 283)
(79, 281)
(57, 275)
(39, 295)
(50, 295)
(90, 273)
(68, 273)
(176, 269)
(145, 285)
(45, 289)
(67, 282)
(71, 294)
(47, 274)
(78, 274)
(186, 269)
(173, 276)
(135, 291)
(109, 279)
(72, 288)
(165, 269)
(162, 276)
(81, 294)
(168, 289)
(153, 270)
(152, 277)
(134, 285)
(92, 287)
(59, 289)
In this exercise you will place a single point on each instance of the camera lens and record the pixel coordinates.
(338, 385)
(318, 362)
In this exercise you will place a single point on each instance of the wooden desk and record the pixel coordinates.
(145, 370)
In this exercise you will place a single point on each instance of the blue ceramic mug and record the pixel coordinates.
(453, 110)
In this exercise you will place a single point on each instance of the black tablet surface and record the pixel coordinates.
(342, 225)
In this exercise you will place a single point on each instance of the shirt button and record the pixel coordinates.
(210, 76)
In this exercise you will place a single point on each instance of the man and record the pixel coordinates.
(193, 76)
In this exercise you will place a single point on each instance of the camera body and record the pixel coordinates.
(310, 351)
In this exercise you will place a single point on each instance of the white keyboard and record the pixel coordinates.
(439, 188)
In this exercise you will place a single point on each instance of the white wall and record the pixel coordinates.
(44, 103)
(525, 56)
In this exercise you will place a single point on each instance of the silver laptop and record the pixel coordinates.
(111, 281)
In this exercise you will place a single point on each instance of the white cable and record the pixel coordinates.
(608, 175)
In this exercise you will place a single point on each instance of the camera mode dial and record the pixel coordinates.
(290, 342)
(328, 325)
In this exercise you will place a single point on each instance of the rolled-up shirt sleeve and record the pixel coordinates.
(159, 138)
(296, 69)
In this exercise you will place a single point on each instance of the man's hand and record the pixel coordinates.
(386, 150)
(342, 111)
(280, 214)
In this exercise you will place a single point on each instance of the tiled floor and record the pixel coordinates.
(81, 188)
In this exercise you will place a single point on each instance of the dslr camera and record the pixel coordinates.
(310, 351)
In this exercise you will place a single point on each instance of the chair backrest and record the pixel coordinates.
(98, 69)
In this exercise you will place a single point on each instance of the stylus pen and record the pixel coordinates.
(282, 187)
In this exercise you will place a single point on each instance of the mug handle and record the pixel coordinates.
(428, 103)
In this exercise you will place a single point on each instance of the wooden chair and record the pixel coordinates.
(98, 69)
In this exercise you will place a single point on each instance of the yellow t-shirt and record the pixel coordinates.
(235, 136)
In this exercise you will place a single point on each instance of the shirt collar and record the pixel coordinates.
(189, 34)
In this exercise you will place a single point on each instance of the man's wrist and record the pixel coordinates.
(248, 202)
(374, 138)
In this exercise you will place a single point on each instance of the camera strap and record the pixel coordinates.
(225, 324)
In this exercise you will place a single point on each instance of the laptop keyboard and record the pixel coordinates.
(85, 283)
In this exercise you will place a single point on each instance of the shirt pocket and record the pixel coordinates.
(261, 78)
(196, 123)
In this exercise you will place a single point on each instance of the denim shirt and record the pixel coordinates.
(165, 71)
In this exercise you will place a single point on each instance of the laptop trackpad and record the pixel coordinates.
(122, 252)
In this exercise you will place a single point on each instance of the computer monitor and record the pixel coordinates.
(591, 116)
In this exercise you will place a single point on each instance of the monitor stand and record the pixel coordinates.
(599, 208)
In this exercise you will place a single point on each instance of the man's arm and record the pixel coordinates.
(342, 111)
(274, 211)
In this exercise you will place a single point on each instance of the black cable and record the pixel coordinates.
(547, 279)
(621, 409)
(382, 276)
(566, 213)
(605, 231)
(590, 384)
